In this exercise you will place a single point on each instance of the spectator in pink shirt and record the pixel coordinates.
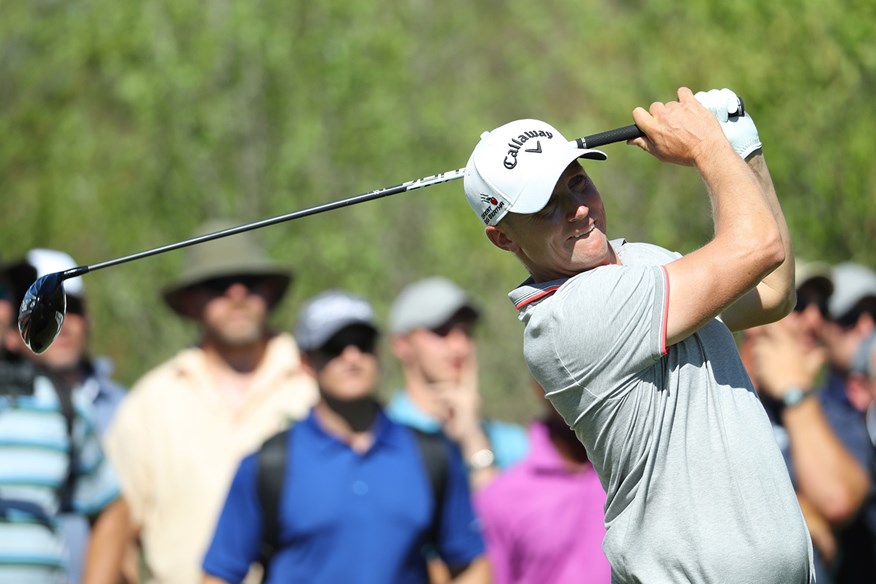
(543, 517)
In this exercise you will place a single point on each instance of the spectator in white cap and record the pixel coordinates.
(185, 425)
(74, 369)
(59, 497)
(432, 324)
(346, 495)
(785, 360)
(845, 401)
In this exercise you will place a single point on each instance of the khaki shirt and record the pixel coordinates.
(176, 442)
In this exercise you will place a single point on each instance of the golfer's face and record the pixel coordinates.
(568, 235)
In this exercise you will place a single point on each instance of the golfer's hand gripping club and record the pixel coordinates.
(728, 110)
(44, 307)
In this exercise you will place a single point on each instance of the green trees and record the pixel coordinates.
(124, 125)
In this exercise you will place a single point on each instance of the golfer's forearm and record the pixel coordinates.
(745, 225)
(777, 292)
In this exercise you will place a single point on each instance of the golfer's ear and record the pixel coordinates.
(500, 239)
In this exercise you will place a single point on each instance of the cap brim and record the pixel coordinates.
(536, 196)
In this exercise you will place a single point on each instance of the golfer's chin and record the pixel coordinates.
(590, 252)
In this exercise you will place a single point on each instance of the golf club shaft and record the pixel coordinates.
(611, 136)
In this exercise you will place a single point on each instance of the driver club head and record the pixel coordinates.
(42, 312)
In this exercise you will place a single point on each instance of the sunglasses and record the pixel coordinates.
(851, 318)
(466, 327)
(361, 337)
(805, 300)
(75, 305)
(218, 286)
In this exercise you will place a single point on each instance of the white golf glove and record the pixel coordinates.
(739, 130)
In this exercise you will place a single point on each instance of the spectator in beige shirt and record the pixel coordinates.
(180, 433)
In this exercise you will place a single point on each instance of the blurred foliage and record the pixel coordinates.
(126, 124)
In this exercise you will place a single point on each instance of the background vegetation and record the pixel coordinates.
(124, 125)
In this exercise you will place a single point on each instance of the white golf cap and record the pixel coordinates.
(47, 261)
(852, 283)
(326, 314)
(515, 167)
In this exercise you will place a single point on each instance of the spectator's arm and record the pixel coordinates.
(208, 579)
(109, 540)
(826, 473)
(477, 572)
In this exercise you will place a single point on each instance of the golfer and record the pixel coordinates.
(632, 342)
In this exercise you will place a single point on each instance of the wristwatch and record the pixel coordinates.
(482, 459)
(793, 396)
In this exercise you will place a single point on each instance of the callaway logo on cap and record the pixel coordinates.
(515, 168)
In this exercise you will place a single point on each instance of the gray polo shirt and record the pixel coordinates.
(696, 487)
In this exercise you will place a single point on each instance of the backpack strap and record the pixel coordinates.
(436, 458)
(65, 399)
(271, 469)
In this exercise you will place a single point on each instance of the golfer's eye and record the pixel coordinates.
(577, 182)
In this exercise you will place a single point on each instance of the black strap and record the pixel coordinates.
(271, 468)
(65, 398)
(434, 450)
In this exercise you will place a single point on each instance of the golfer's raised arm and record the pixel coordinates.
(748, 242)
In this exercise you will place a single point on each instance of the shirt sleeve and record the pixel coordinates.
(96, 484)
(460, 540)
(238, 536)
(609, 326)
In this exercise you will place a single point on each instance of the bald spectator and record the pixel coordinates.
(179, 435)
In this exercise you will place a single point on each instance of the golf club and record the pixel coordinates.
(42, 311)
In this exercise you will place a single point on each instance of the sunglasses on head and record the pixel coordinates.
(218, 286)
(361, 337)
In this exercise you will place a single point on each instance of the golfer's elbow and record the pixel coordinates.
(763, 250)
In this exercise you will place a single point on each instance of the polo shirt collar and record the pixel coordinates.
(385, 432)
(403, 409)
(531, 292)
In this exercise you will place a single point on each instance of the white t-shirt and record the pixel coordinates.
(696, 487)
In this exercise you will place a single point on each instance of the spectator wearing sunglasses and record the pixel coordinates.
(355, 503)
(852, 320)
(57, 491)
(185, 425)
(786, 360)
(432, 322)
(75, 371)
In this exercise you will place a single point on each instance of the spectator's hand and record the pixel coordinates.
(739, 130)
(460, 403)
(783, 361)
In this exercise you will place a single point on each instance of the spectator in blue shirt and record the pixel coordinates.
(356, 503)
(432, 323)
